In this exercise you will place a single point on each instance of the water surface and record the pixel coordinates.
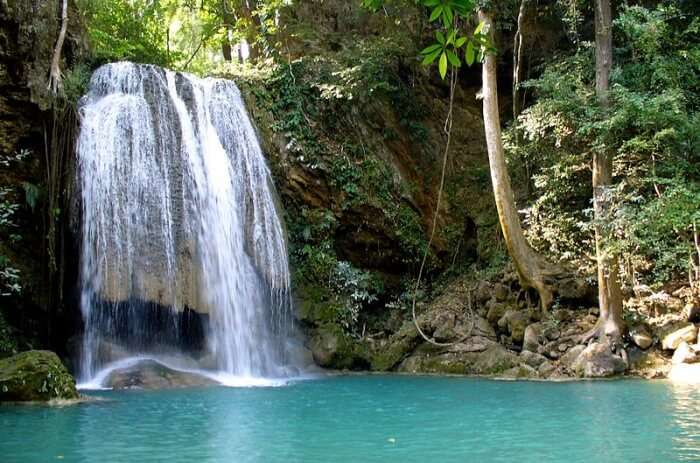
(367, 419)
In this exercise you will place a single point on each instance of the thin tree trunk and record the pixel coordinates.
(55, 80)
(610, 323)
(517, 59)
(533, 270)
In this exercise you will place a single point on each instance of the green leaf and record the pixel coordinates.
(431, 48)
(469, 54)
(436, 13)
(478, 29)
(454, 60)
(431, 3)
(460, 41)
(431, 57)
(440, 37)
(447, 16)
(442, 65)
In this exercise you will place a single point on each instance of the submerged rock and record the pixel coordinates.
(598, 361)
(150, 374)
(35, 375)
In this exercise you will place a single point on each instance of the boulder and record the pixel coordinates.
(521, 371)
(150, 374)
(688, 333)
(496, 310)
(686, 353)
(546, 369)
(35, 375)
(331, 348)
(568, 359)
(693, 312)
(641, 336)
(500, 292)
(598, 361)
(515, 322)
(532, 359)
(531, 337)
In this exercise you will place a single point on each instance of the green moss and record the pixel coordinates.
(35, 376)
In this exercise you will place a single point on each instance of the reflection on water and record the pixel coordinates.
(369, 419)
(686, 417)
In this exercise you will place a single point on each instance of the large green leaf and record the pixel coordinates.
(442, 65)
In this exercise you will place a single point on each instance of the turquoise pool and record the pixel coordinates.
(367, 419)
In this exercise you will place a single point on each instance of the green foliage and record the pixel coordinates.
(653, 128)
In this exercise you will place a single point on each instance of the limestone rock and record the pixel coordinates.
(515, 322)
(331, 348)
(686, 354)
(693, 312)
(546, 369)
(153, 375)
(496, 310)
(688, 333)
(531, 337)
(532, 359)
(641, 336)
(521, 371)
(568, 359)
(35, 375)
(500, 292)
(597, 361)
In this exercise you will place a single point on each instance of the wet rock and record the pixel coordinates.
(531, 337)
(532, 359)
(495, 359)
(568, 359)
(641, 336)
(400, 345)
(672, 340)
(521, 371)
(36, 375)
(150, 374)
(686, 353)
(597, 361)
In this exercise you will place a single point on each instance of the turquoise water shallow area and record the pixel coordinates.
(367, 419)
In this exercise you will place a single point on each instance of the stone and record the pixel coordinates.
(150, 374)
(500, 292)
(331, 348)
(686, 353)
(693, 312)
(546, 369)
(35, 375)
(531, 337)
(515, 323)
(483, 328)
(568, 359)
(532, 359)
(521, 371)
(496, 310)
(640, 336)
(688, 333)
(597, 361)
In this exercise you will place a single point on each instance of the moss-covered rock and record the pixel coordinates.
(36, 375)
(332, 348)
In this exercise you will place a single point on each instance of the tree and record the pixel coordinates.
(55, 80)
(533, 270)
(610, 322)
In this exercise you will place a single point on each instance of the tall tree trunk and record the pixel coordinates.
(517, 59)
(55, 80)
(533, 270)
(610, 323)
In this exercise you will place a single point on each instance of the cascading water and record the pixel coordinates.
(179, 223)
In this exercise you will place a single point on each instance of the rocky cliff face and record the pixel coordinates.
(28, 30)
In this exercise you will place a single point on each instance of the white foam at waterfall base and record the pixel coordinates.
(178, 209)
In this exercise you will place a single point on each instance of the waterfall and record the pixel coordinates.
(179, 225)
